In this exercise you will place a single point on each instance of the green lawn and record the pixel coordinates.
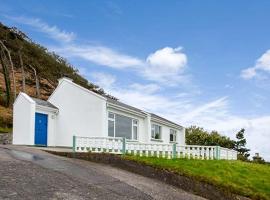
(247, 179)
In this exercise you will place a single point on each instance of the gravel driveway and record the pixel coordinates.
(30, 173)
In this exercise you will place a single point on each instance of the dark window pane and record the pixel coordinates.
(171, 137)
(123, 126)
(111, 128)
(134, 132)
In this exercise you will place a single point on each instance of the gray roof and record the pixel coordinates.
(44, 103)
(124, 105)
(163, 119)
(138, 110)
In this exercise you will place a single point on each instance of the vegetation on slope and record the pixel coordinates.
(26, 58)
(198, 136)
(243, 178)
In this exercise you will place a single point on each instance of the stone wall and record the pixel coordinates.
(5, 138)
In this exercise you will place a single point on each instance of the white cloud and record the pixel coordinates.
(248, 73)
(261, 65)
(52, 31)
(103, 80)
(100, 55)
(145, 88)
(207, 109)
(165, 64)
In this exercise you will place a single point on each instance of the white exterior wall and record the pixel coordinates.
(181, 136)
(81, 113)
(23, 120)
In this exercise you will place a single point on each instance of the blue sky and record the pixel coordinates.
(204, 63)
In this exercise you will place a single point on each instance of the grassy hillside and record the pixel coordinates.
(48, 65)
(247, 179)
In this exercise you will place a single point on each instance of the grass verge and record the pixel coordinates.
(5, 130)
(247, 179)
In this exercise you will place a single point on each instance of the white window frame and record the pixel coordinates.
(153, 128)
(133, 124)
(113, 120)
(174, 133)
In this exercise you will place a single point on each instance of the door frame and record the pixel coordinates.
(47, 117)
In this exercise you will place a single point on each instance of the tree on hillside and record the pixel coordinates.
(258, 159)
(5, 71)
(11, 66)
(198, 136)
(240, 145)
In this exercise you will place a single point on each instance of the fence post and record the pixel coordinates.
(124, 146)
(73, 145)
(218, 152)
(174, 151)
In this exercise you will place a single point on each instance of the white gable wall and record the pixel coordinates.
(81, 113)
(23, 120)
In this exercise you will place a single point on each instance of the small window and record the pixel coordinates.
(172, 135)
(156, 131)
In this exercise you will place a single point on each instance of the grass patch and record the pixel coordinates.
(5, 130)
(247, 179)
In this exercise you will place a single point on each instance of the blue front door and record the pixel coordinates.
(41, 129)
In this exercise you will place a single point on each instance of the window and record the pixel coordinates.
(156, 131)
(172, 135)
(111, 125)
(135, 129)
(122, 126)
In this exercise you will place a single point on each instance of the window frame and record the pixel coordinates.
(174, 133)
(160, 131)
(132, 125)
(113, 120)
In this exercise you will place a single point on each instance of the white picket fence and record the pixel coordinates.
(122, 146)
(227, 154)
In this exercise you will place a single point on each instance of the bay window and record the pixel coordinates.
(122, 126)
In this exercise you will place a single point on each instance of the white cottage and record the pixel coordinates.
(74, 110)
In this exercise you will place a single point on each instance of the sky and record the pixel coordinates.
(204, 63)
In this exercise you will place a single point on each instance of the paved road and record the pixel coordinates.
(29, 173)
